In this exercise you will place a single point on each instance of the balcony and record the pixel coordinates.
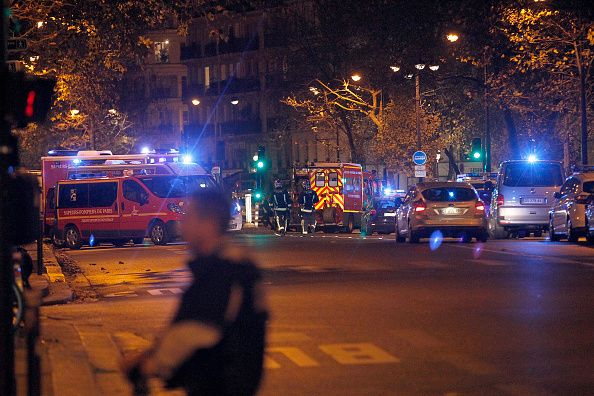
(235, 85)
(233, 45)
(192, 91)
(164, 93)
(192, 51)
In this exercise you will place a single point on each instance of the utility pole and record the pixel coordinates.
(7, 153)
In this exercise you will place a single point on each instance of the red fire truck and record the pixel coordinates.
(341, 188)
(103, 164)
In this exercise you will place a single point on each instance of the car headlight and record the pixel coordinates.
(235, 208)
(175, 208)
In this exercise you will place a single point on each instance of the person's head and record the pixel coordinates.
(306, 185)
(278, 185)
(206, 219)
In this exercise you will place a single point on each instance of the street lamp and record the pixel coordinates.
(420, 66)
(195, 102)
(356, 77)
(74, 112)
(395, 68)
(452, 37)
(235, 102)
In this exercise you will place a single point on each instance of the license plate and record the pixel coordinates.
(451, 211)
(389, 214)
(533, 200)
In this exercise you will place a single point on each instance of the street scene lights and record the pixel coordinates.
(235, 102)
(74, 112)
(195, 102)
(356, 77)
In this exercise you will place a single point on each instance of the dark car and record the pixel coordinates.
(383, 214)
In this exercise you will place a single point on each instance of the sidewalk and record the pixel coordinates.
(49, 288)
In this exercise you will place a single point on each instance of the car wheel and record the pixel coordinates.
(413, 237)
(571, 236)
(482, 237)
(158, 233)
(350, 226)
(399, 238)
(138, 241)
(496, 232)
(56, 241)
(72, 238)
(553, 237)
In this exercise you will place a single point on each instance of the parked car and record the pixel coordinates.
(453, 208)
(523, 197)
(590, 222)
(383, 215)
(567, 217)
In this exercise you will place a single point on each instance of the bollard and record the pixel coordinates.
(257, 214)
(40, 248)
(248, 208)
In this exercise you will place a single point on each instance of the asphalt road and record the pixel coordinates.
(355, 316)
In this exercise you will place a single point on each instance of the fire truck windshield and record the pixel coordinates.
(176, 186)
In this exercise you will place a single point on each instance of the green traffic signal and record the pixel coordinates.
(260, 164)
(476, 155)
(258, 195)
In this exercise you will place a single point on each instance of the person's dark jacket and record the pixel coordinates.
(225, 296)
(308, 199)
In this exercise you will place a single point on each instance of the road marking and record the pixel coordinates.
(295, 355)
(165, 291)
(491, 263)
(558, 260)
(127, 293)
(287, 336)
(358, 353)
(418, 338)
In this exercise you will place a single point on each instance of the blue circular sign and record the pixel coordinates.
(419, 158)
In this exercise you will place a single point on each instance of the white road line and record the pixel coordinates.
(558, 260)
(491, 263)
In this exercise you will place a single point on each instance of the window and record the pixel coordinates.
(349, 184)
(589, 187)
(74, 195)
(207, 76)
(102, 194)
(50, 199)
(445, 194)
(162, 51)
(333, 179)
(134, 191)
(320, 179)
(524, 174)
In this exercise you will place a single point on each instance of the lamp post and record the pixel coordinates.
(452, 38)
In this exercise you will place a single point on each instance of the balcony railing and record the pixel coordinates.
(164, 93)
(234, 85)
(192, 51)
(231, 46)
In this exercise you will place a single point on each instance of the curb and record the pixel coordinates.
(59, 291)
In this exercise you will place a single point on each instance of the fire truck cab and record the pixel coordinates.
(340, 190)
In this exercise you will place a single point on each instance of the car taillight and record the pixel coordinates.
(419, 206)
(500, 200)
(479, 206)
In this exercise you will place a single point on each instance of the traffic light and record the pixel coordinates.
(258, 195)
(30, 98)
(260, 162)
(476, 149)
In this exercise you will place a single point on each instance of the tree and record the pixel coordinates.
(552, 48)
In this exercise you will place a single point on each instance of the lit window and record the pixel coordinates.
(162, 51)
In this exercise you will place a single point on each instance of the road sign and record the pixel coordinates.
(419, 158)
(420, 171)
(16, 44)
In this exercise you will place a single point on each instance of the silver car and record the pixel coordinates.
(567, 217)
(453, 208)
(523, 197)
